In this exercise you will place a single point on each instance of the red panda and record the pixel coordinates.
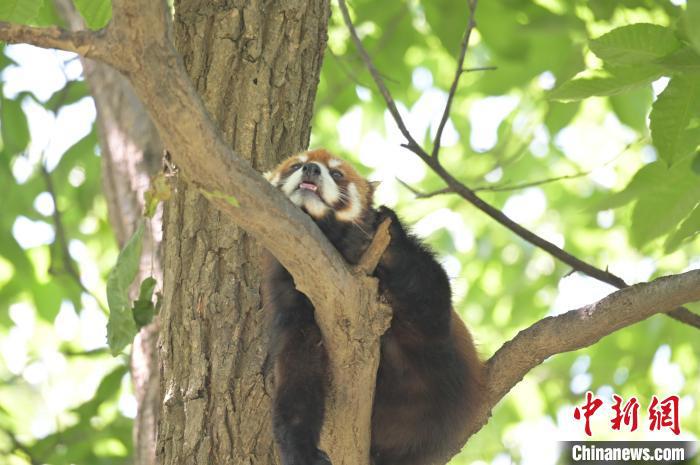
(429, 378)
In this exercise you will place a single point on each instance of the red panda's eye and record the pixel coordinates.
(296, 166)
(337, 174)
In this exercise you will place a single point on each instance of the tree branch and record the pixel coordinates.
(574, 330)
(91, 44)
(681, 314)
(378, 80)
(471, 23)
(240, 192)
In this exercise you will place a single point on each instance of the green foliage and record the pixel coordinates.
(159, 192)
(218, 195)
(637, 44)
(607, 82)
(96, 13)
(58, 279)
(144, 309)
(630, 206)
(19, 11)
(675, 119)
(121, 328)
(633, 56)
(630, 203)
(15, 130)
(691, 22)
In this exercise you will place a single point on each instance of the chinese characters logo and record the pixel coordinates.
(662, 414)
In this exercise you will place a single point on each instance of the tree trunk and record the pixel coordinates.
(256, 65)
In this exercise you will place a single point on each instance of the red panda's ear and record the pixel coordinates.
(373, 185)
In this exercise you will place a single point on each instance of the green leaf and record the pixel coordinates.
(633, 107)
(71, 93)
(612, 82)
(685, 60)
(158, 192)
(231, 200)
(560, 114)
(689, 228)
(675, 108)
(96, 13)
(47, 16)
(19, 11)
(692, 22)
(447, 27)
(107, 389)
(666, 203)
(121, 328)
(15, 130)
(635, 44)
(647, 176)
(143, 309)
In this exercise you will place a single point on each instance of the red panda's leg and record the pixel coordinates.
(300, 377)
(417, 286)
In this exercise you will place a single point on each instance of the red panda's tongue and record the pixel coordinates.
(308, 186)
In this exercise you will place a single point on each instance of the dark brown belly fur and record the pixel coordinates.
(423, 395)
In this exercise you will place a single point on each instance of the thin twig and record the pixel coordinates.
(479, 68)
(423, 195)
(378, 80)
(525, 185)
(681, 314)
(471, 23)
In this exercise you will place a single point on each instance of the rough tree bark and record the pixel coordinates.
(130, 153)
(256, 65)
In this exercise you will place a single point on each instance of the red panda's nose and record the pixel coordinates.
(311, 169)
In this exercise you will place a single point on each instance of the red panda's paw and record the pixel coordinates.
(395, 229)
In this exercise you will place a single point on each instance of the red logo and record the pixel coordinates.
(662, 414)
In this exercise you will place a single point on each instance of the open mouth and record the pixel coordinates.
(308, 186)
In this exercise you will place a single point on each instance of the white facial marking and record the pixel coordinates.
(329, 189)
(272, 177)
(291, 183)
(355, 205)
(334, 163)
(303, 158)
(313, 204)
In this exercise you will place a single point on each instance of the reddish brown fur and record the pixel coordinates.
(430, 377)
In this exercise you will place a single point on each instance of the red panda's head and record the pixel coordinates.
(322, 183)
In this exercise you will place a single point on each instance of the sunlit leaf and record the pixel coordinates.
(685, 60)
(15, 130)
(665, 203)
(96, 13)
(632, 108)
(635, 44)
(692, 22)
(71, 93)
(687, 230)
(19, 11)
(611, 83)
(675, 108)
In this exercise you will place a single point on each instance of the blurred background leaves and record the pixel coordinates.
(604, 94)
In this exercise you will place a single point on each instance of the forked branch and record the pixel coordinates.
(453, 185)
